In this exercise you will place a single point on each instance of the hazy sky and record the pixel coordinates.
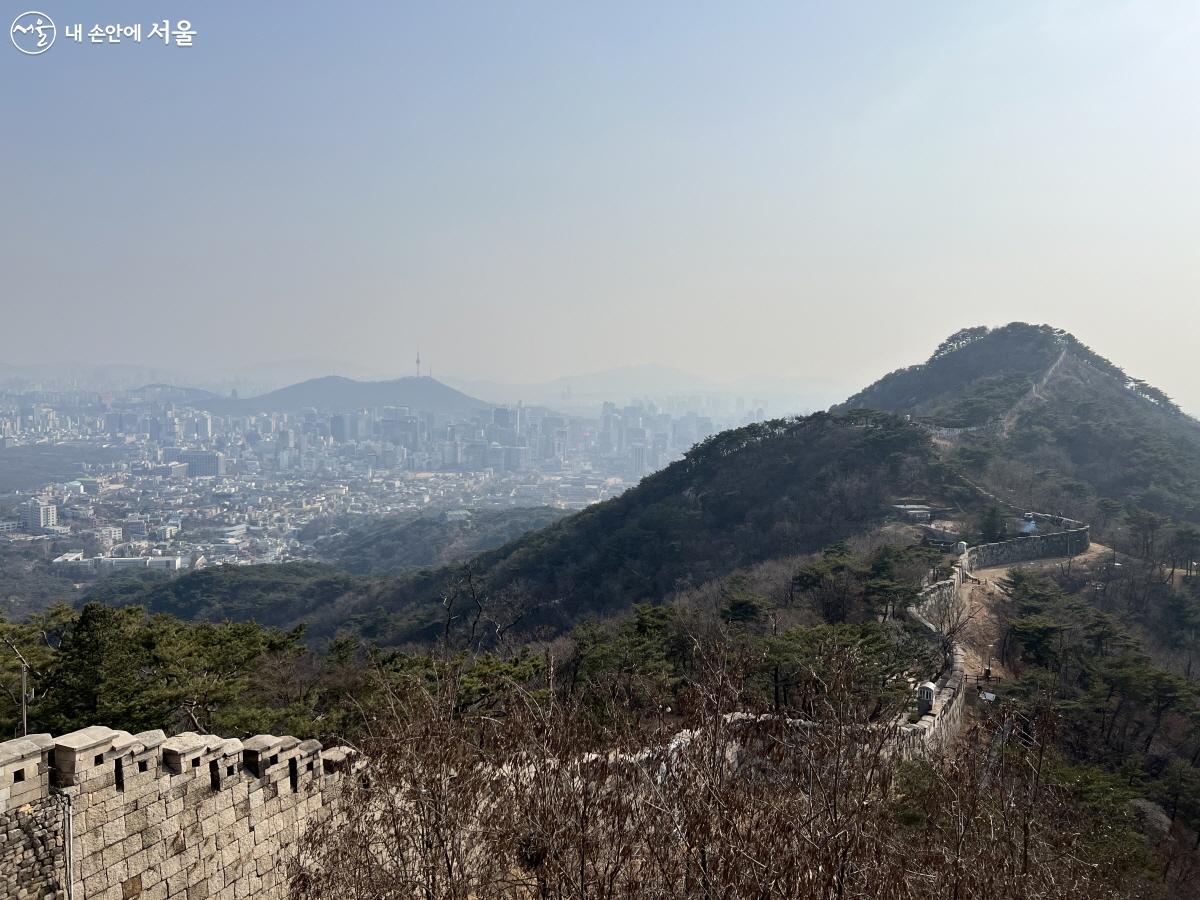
(538, 189)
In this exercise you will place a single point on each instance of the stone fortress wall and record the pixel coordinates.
(940, 725)
(1070, 539)
(107, 815)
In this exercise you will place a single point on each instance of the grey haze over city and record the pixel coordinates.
(272, 203)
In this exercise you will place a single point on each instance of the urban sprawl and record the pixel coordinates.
(161, 485)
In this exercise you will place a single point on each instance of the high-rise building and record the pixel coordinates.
(340, 428)
(203, 462)
(37, 514)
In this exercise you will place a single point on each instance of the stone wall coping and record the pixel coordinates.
(231, 746)
(151, 739)
(24, 748)
(85, 738)
(124, 743)
(188, 742)
(260, 743)
(337, 758)
(112, 743)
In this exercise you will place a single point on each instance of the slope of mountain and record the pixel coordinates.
(337, 394)
(398, 543)
(1033, 404)
(759, 492)
(291, 593)
(766, 490)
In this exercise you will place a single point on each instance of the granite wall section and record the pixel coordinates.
(1071, 542)
(107, 815)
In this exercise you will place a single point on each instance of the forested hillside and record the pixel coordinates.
(396, 544)
(291, 594)
(1051, 422)
(276, 595)
(750, 494)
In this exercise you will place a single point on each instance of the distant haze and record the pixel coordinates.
(535, 190)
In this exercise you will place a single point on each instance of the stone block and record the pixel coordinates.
(91, 864)
(114, 832)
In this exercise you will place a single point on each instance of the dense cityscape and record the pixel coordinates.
(156, 482)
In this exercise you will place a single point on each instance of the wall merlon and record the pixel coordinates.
(78, 754)
(268, 757)
(338, 759)
(24, 771)
(183, 752)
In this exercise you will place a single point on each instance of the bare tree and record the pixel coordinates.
(543, 797)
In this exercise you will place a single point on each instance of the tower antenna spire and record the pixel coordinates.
(418, 360)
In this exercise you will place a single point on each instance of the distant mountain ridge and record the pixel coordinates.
(335, 393)
(1026, 412)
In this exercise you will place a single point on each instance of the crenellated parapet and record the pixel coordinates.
(102, 812)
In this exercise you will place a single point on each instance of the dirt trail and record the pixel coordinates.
(987, 600)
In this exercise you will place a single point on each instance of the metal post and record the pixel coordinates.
(24, 686)
(24, 699)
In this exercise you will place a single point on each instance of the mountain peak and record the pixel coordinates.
(337, 393)
(979, 374)
(1035, 399)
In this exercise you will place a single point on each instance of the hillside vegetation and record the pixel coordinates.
(398, 543)
(294, 593)
(1051, 422)
(755, 493)
(275, 595)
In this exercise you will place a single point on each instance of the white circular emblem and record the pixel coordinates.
(32, 32)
